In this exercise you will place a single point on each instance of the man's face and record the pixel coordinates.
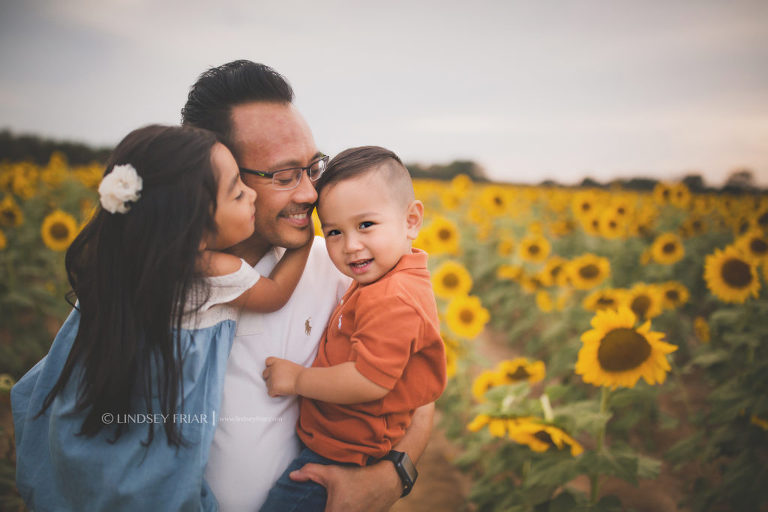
(269, 137)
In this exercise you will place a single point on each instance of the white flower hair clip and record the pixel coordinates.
(120, 187)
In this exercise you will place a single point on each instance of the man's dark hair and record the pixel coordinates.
(354, 162)
(217, 90)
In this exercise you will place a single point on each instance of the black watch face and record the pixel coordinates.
(409, 468)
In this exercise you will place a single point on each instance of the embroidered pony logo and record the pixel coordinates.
(307, 326)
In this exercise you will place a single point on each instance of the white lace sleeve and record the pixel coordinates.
(223, 289)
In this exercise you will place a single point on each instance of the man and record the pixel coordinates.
(250, 107)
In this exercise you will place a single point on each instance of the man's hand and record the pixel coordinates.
(281, 376)
(371, 488)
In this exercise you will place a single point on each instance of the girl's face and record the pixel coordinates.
(235, 209)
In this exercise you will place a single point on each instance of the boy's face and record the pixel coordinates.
(367, 230)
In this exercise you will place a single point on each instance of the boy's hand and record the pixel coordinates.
(281, 376)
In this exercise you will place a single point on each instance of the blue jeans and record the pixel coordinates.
(289, 496)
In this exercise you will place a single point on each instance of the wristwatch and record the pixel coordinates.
(405, 469)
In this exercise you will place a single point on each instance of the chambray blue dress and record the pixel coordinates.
(59, 470)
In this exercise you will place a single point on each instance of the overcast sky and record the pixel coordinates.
(531, 90)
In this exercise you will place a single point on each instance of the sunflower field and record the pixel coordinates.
(632, 327)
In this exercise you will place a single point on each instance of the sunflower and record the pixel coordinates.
(451, 362)
(731, 276)
(590, 223)
(616, 353)
(483, 382)
(588, 271)
(554, 272)
(667, 249)
(645, 301)
(478, 422)
(466, 316)
(317, 224)
(680, 195)
(662, 193)
(754, 245)
(58, 230)
(534, 248)
(701, 329)
(540, 437)
(562, 227)
(505, 246)
(10, 213)
(694, 225)
(510, 272)
(494, 200)
(603, 299)
(451, 199)
(3, 241)
(444, 236)
(530, 283)
(544, 301)
(760, 422)
(610, 225)
(674, 294)
(451, 279)
(583, 203)
(520, 369)
(461, 183)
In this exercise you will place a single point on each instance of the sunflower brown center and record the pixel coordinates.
(585, 207)
(498, 201)
(59, 231)
(450, 280)
(606, 301)
(640, 305)
(589, 271)
(534, 249)
(466, 316)
(623, 349)
(669, 248)
(763, 220)
(9, 216)
(544, 437)
(444, 234)
(736, 273)
(758, 246)
(673, 295)
(519, 374)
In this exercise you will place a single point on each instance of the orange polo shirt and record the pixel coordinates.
(390, 329)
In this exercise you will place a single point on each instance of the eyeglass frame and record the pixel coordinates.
(268, 174)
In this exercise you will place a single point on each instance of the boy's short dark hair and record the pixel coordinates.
(354, 162)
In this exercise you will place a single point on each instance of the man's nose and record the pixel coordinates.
(305, 192)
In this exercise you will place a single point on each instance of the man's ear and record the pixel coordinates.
(414, 216)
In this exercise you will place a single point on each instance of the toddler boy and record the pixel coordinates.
(381, 356)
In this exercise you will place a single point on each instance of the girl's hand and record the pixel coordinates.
(281, 376)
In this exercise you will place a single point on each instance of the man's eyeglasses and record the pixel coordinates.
(286, 179)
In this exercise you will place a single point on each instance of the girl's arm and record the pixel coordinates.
(269, 293)
(339, 384)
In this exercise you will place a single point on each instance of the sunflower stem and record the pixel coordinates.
(595, 477)
(683, 389)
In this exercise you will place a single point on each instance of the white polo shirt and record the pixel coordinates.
(255, 436)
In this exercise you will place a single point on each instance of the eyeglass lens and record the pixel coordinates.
(289, 178)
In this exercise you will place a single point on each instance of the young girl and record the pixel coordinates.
(120, 414)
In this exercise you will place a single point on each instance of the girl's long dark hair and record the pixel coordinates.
(131, 274)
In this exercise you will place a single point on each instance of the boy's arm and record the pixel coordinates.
(338, 384)
(271, 293)
(372, 488)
